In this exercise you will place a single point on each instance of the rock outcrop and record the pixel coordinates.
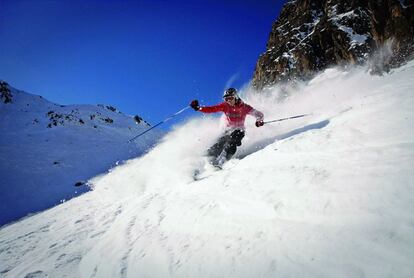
(309, 36)
(5, 94)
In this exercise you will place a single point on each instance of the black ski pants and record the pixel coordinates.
(229, 142)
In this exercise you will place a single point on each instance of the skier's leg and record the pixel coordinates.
(234, 141)
(215, 150)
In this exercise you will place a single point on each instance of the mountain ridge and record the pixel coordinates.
(47, 148)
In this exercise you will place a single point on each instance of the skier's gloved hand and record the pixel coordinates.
(259, 123)
(194, 104)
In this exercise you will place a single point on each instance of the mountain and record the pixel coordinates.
(48, 151)
(327, 195)
(310, 36)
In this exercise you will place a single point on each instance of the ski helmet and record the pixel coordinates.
(231, 92)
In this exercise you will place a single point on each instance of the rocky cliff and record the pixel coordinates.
(311, 35)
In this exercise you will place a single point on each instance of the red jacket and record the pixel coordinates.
(236, 114)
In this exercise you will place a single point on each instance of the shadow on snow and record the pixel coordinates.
(263, 143)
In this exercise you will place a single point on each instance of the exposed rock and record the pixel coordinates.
(62, 118)
(5, 94)
(137, 119)
(312, 35)
(109, 107)
(113, 109)
(108, 120)
(80, 183)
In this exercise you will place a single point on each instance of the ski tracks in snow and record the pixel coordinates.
(29, 254)
(141, 219)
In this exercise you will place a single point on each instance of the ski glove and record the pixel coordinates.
(259, 123)
(194, 104)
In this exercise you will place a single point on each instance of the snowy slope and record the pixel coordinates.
(46, 148)
(329, 195)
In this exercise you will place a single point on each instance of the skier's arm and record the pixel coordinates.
(207, 109)
(212, 109)
(257, 114)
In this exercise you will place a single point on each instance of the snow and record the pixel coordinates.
(355, 38)
(328, 195)
(40, 162)
(349, 14)
(402, 4)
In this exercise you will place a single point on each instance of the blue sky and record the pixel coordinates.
(149, 58)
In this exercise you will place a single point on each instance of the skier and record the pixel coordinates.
(235, 110)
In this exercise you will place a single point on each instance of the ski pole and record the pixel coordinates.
(169, 118)
(289, 118)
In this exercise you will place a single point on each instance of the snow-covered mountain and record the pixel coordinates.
(328, 195)
(46, 149)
